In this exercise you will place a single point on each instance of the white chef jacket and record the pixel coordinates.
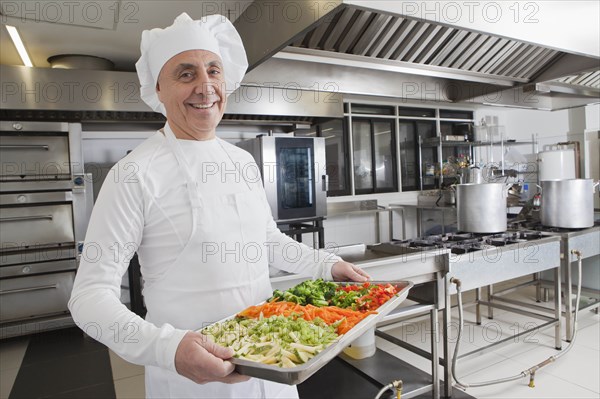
(143, 206)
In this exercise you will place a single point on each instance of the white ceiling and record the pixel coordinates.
(95, 27)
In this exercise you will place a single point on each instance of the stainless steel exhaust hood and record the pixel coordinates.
(88, 95)
(370, 47)
(306, 55)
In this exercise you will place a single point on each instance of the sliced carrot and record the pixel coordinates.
(329, 314)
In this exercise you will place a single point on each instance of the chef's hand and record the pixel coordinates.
(202, 361)
(345, 271)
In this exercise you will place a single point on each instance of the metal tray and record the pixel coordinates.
(298, 374)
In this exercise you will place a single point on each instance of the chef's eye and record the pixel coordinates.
(186, 75)
(214, 71)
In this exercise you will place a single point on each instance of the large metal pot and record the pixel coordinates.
(481, 208)
(568, 203)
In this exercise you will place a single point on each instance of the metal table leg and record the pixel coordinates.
(391, 223)
(557, 307)
(490, 291)
(566, 265)
(377, 232)
(447, 316)
(478, 306)
(401, 210)
(538, 287)
(435, 378)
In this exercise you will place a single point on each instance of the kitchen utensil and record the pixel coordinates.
(568, 203)
(481, 208)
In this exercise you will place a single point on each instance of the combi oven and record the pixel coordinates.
(293, 173)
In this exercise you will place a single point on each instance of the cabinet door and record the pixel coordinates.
(385, 168)
(362, 150)
(336, 156)
(411, 171)
(374, 156)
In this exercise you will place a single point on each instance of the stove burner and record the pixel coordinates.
(501, 242)
(458, 237)
(463, 249)
(530, 235)
(462, 243)
(422, 244)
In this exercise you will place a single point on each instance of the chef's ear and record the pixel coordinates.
(158, 92)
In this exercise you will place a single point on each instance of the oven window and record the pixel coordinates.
(295, 169)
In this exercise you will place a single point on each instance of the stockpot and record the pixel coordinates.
(481, 208)
(568, 203)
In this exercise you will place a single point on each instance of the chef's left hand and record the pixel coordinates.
(345, 271)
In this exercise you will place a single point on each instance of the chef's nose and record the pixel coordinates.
(205, 88)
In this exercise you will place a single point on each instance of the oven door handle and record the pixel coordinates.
(42, 287)
(27, 218)
(24, 146)
(325, 182)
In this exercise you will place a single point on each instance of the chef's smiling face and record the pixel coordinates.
(191, 87)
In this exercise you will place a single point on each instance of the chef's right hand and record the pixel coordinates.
(202, 361)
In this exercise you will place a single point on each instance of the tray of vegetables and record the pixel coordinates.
(294, 333)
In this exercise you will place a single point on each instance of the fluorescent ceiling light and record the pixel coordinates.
(14, 35)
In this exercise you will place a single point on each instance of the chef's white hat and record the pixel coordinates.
(214, 33)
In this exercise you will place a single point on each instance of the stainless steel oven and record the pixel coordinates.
(293, 173)
(45, 202)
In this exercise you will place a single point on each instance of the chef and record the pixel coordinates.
(204, 240)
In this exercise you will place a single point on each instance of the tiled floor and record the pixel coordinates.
(128, 378)
(60, 366)
(575, 375)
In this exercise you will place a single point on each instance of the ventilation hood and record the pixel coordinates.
(97, 95)
(386, 48)
(306, 55)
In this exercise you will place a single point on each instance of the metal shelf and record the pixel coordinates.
(450, 143)
(506, 143)
(447, 143)
(438, 143)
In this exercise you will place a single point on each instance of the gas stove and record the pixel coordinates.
(461, 243)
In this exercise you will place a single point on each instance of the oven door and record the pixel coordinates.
(33, 296)
(295, 178)
(36, 220)
(34, 156)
